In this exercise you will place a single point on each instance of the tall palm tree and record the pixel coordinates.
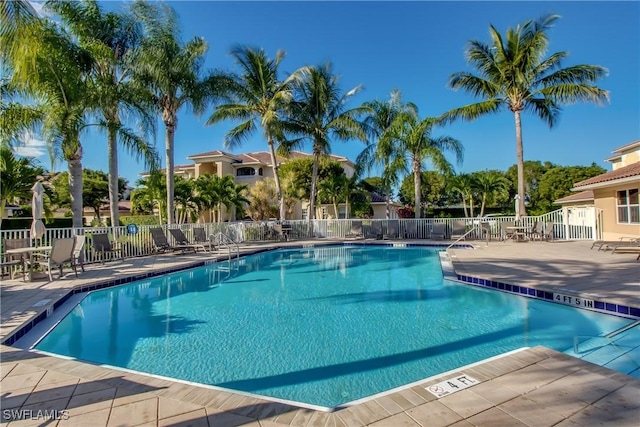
(51, 69)
(172, 73)
(257, 98)
(488, 184)
(382, 149)
(415, 136)
(514, 73)
(319, 115)
(111, 38)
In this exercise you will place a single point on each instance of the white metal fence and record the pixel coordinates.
(141, 243)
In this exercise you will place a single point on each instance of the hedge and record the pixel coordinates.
(25, 223)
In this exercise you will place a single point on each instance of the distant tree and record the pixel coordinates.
(150, 195)
(18, 176)
(489, 185)
(95, 190)
(432, 190)
(187, 201)
(533, 172)
(558, 181)
(515, 74)
(263, 202)
(462, 184)
(374, 183)
(299, 172)
(333, 190)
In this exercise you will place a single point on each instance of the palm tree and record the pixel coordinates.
(319, 114)
(207, 186)
(51, 70)
(18, 177)
(150, 194)
(257, 99)
(488, 185)
(463, 185)
(382, 148)
(416, 140)
(514, 73)
(332, 188)
(110, 38)
(171, 72)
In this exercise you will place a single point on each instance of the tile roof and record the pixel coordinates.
(623, 172)
(576, 197)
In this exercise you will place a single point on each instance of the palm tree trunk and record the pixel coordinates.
(471, 206)
(387, 196)
(464, 206)
(346, 208)
(276, 178)
(335, 208)
(170, 122)
(3, 205)
(416, 188)
(520, 162)
(314, 184)
(484, 200)
(75, 186)
(112, 150)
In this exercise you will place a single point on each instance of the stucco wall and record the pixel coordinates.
(605, 199)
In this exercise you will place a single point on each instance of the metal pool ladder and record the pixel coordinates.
(227, 242)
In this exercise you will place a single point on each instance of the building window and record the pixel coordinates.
(245, 171)
(628, 206)
(304, 213)
(260, 171)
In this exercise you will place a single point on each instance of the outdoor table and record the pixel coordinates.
(31, 251)
(518, 232)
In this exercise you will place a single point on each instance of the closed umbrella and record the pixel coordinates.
(37, 208)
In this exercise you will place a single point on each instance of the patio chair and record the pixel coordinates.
(549, 233)
(356, 231)
(161, 244)
(458, 229)
(10, 261)
(505, 232)
(181, 240)
(536, 231)
(439, 231)
(102, 246)
(373, 231)
(392, 229)
(61, 253)
(78, 252)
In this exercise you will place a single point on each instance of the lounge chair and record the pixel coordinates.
(439, 231)
(373, 231)
(10, 261)
(161, 244)
(181, 240)
(410, 229)
(102, 245)
(392, 229)
(356, 231)
(200, 237)
(458, 229)
(78, 252)
(61, 253)
(602, 243)
(623, 245)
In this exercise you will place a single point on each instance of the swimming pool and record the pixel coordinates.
(323, 326)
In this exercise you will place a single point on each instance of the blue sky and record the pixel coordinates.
(415, 47)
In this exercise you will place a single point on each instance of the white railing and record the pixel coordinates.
(141, 243)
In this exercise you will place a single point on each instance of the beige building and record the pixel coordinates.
(249, 168)
(615, 194)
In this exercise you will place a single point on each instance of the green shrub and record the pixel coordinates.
(140, 220)
(25, 223)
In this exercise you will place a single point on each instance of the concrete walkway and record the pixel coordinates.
(533, 387)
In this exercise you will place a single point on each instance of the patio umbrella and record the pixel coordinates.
(37, 208)
(516, 200)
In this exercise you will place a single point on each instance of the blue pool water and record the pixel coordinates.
(322, 326)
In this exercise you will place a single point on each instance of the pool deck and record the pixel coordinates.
(532, 387)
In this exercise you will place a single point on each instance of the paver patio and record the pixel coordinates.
(534, 387)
